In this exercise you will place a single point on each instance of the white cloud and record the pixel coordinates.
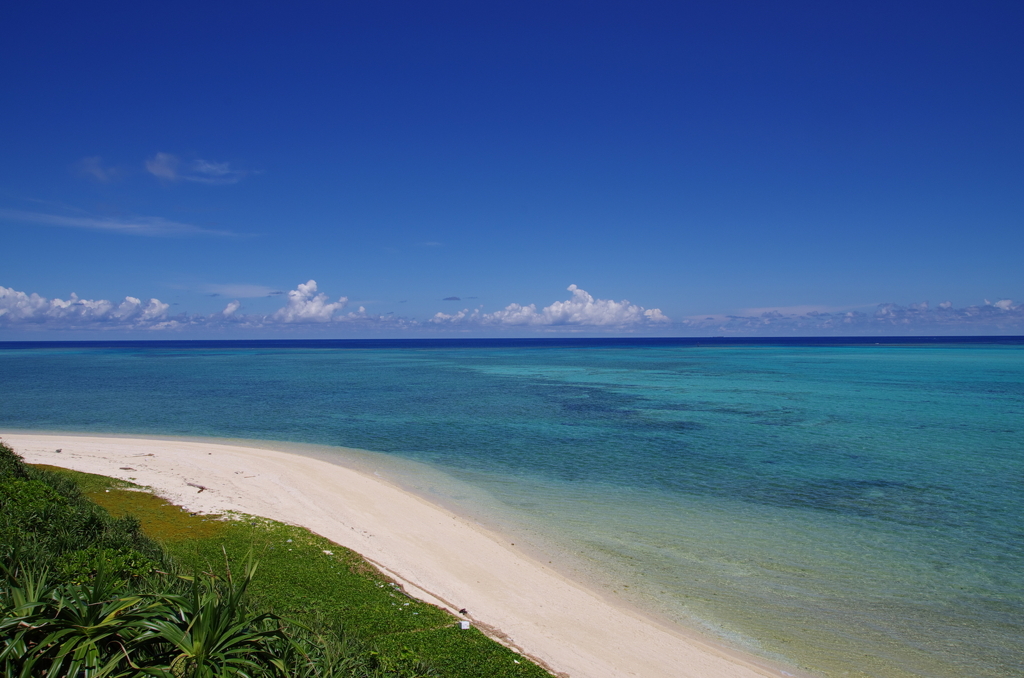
(93, 167)
(305, 305)
(163, 166)
(152, 311)
(208, 172)
(31, 309)
(230, 309)
(456, 318)
(581, 309)
(151, 226)
(166, 166)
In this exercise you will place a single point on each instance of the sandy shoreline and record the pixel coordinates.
(438, 556)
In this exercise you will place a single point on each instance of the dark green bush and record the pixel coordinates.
(52, 526)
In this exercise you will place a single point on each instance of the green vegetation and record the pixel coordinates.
(100, 579)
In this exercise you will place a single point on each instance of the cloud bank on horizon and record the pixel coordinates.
(307, 307)
(304, 306)
(1001, 317)
(581, 310)
(19, 308)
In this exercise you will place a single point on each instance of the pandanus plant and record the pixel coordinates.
(97, 629)
(89, 631)
(68, 631)
(208, 632)
(22, 598)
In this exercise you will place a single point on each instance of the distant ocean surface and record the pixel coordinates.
(851, 507)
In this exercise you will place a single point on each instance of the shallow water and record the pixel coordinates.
(850, 509)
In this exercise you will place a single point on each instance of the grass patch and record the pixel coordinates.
(159, 519)
(308, 578)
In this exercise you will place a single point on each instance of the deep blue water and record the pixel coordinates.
(851, 506)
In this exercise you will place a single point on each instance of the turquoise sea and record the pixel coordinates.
(848, 507)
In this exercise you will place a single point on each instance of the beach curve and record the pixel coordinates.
(438, 556)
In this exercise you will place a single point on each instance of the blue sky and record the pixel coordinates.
(726, 167)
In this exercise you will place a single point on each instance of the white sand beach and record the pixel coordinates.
(439, 557)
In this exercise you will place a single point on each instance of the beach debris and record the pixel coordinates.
(201, 487)
(149, 454)
(463, 625)
(287, 541)
(463, 611)
(330, 553)
(127, 468)
(59, 450)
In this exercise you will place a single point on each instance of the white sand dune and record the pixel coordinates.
(438, 556)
